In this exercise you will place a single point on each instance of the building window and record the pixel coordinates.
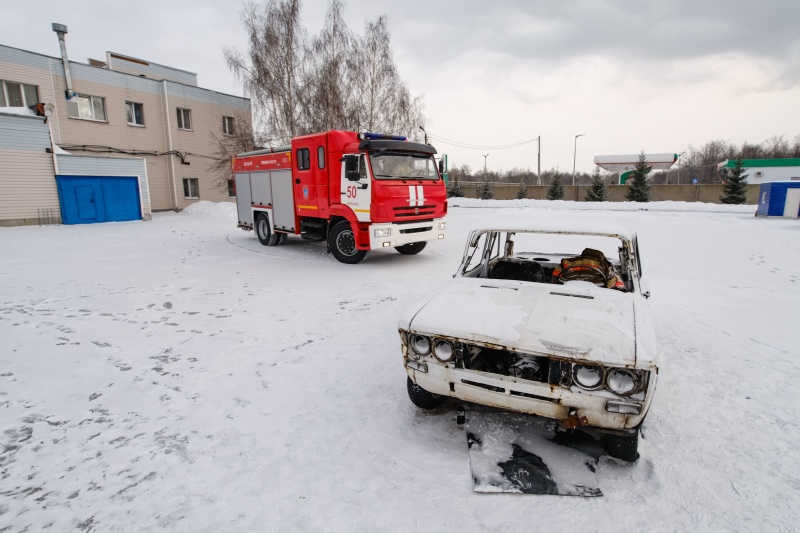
(135, 114)
(87, 108)
(18, 94)
(184, 119)
(231, 189)
(190, 189)
(227, 125)
(303, 159)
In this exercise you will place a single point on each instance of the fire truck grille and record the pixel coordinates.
(423, 210)
(416, 230)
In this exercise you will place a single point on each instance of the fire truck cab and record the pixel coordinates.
(357, 191)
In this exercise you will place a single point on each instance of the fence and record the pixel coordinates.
(616, 193)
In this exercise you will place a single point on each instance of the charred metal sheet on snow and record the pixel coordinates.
(512, 452)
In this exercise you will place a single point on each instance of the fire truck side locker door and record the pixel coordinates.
(260, 187)
(243, 197)
(283, 200)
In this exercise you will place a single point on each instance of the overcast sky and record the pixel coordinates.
(630, 75)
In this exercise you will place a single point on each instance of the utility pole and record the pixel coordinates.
(539, 160)
(426, 134)
(574, 156)
(484, 167)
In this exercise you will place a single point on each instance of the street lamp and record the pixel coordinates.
(484, 166)
(677, 168)
(539, 160)
(574, 155)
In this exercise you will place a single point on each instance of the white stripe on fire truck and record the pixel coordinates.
(420, 195)
(412, 196)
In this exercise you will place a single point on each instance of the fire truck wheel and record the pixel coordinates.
(412, 248)
(265, 235)
(283, 238)
(342, 243)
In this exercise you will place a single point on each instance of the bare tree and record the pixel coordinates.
(274, 70)
(338, 80)
(228, 145)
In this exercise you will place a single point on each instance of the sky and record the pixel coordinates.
(630, 76)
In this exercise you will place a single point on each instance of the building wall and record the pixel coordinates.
(160, 100)
(27, 186)
(132, 65)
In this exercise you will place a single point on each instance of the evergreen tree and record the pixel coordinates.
(522, 192)
(639, 190)
(597, 190)
(735, 189)
(485, 192)
(556, 190)
(454, 191)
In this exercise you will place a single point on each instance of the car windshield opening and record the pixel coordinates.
(388, 165)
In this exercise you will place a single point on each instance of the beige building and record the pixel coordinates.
(125, 107)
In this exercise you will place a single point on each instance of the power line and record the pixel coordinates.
(470, 146)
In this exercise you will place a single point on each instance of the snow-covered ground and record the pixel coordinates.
(176, 375)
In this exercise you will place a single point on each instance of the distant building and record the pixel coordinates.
(764, 170)
(122, 107)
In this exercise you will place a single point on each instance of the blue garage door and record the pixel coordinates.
(88, 199)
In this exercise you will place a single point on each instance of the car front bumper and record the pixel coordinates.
(542, 399)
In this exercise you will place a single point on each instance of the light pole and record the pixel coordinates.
(539, 160)
(575, 155)
(426, 134)
(484, 167)
(677, 168)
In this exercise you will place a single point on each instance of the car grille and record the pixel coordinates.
(423, 210)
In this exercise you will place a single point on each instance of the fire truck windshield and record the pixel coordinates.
(388, 165)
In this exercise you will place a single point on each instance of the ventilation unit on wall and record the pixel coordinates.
(759, 173)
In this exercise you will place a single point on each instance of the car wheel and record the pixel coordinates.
(623, 447)
(422, 398)
(342, 243)
(263, 232)
(411, 248)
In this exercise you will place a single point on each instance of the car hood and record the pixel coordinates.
(577, 320)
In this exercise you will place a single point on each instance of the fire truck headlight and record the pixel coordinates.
(384, 232)
(442, 225)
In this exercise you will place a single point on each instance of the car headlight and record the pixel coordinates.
(442, 225)
(589, 377)
(421, 344)
(383, 232)
(622, 381)
(443, 350)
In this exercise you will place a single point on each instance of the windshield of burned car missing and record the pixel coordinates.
(402, 165)
(548, 258)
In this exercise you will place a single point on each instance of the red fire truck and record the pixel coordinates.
(358, 191)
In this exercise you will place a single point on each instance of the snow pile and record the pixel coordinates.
(212, 209)
(24, 111)
(603, 206)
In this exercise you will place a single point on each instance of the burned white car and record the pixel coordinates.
(550, 322)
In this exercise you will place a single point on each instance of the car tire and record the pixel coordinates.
(422, 398)
(623, 447)
(265, 235)
(342, 242)
(411, 248)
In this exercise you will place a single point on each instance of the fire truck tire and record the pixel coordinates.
(264, 233)
(411, 248)
(283, 238)
(422, 398)
(342, 243)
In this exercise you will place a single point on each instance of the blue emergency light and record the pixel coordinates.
(380, 136)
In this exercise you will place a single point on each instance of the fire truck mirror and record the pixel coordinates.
(441, 166)
(353, 175)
